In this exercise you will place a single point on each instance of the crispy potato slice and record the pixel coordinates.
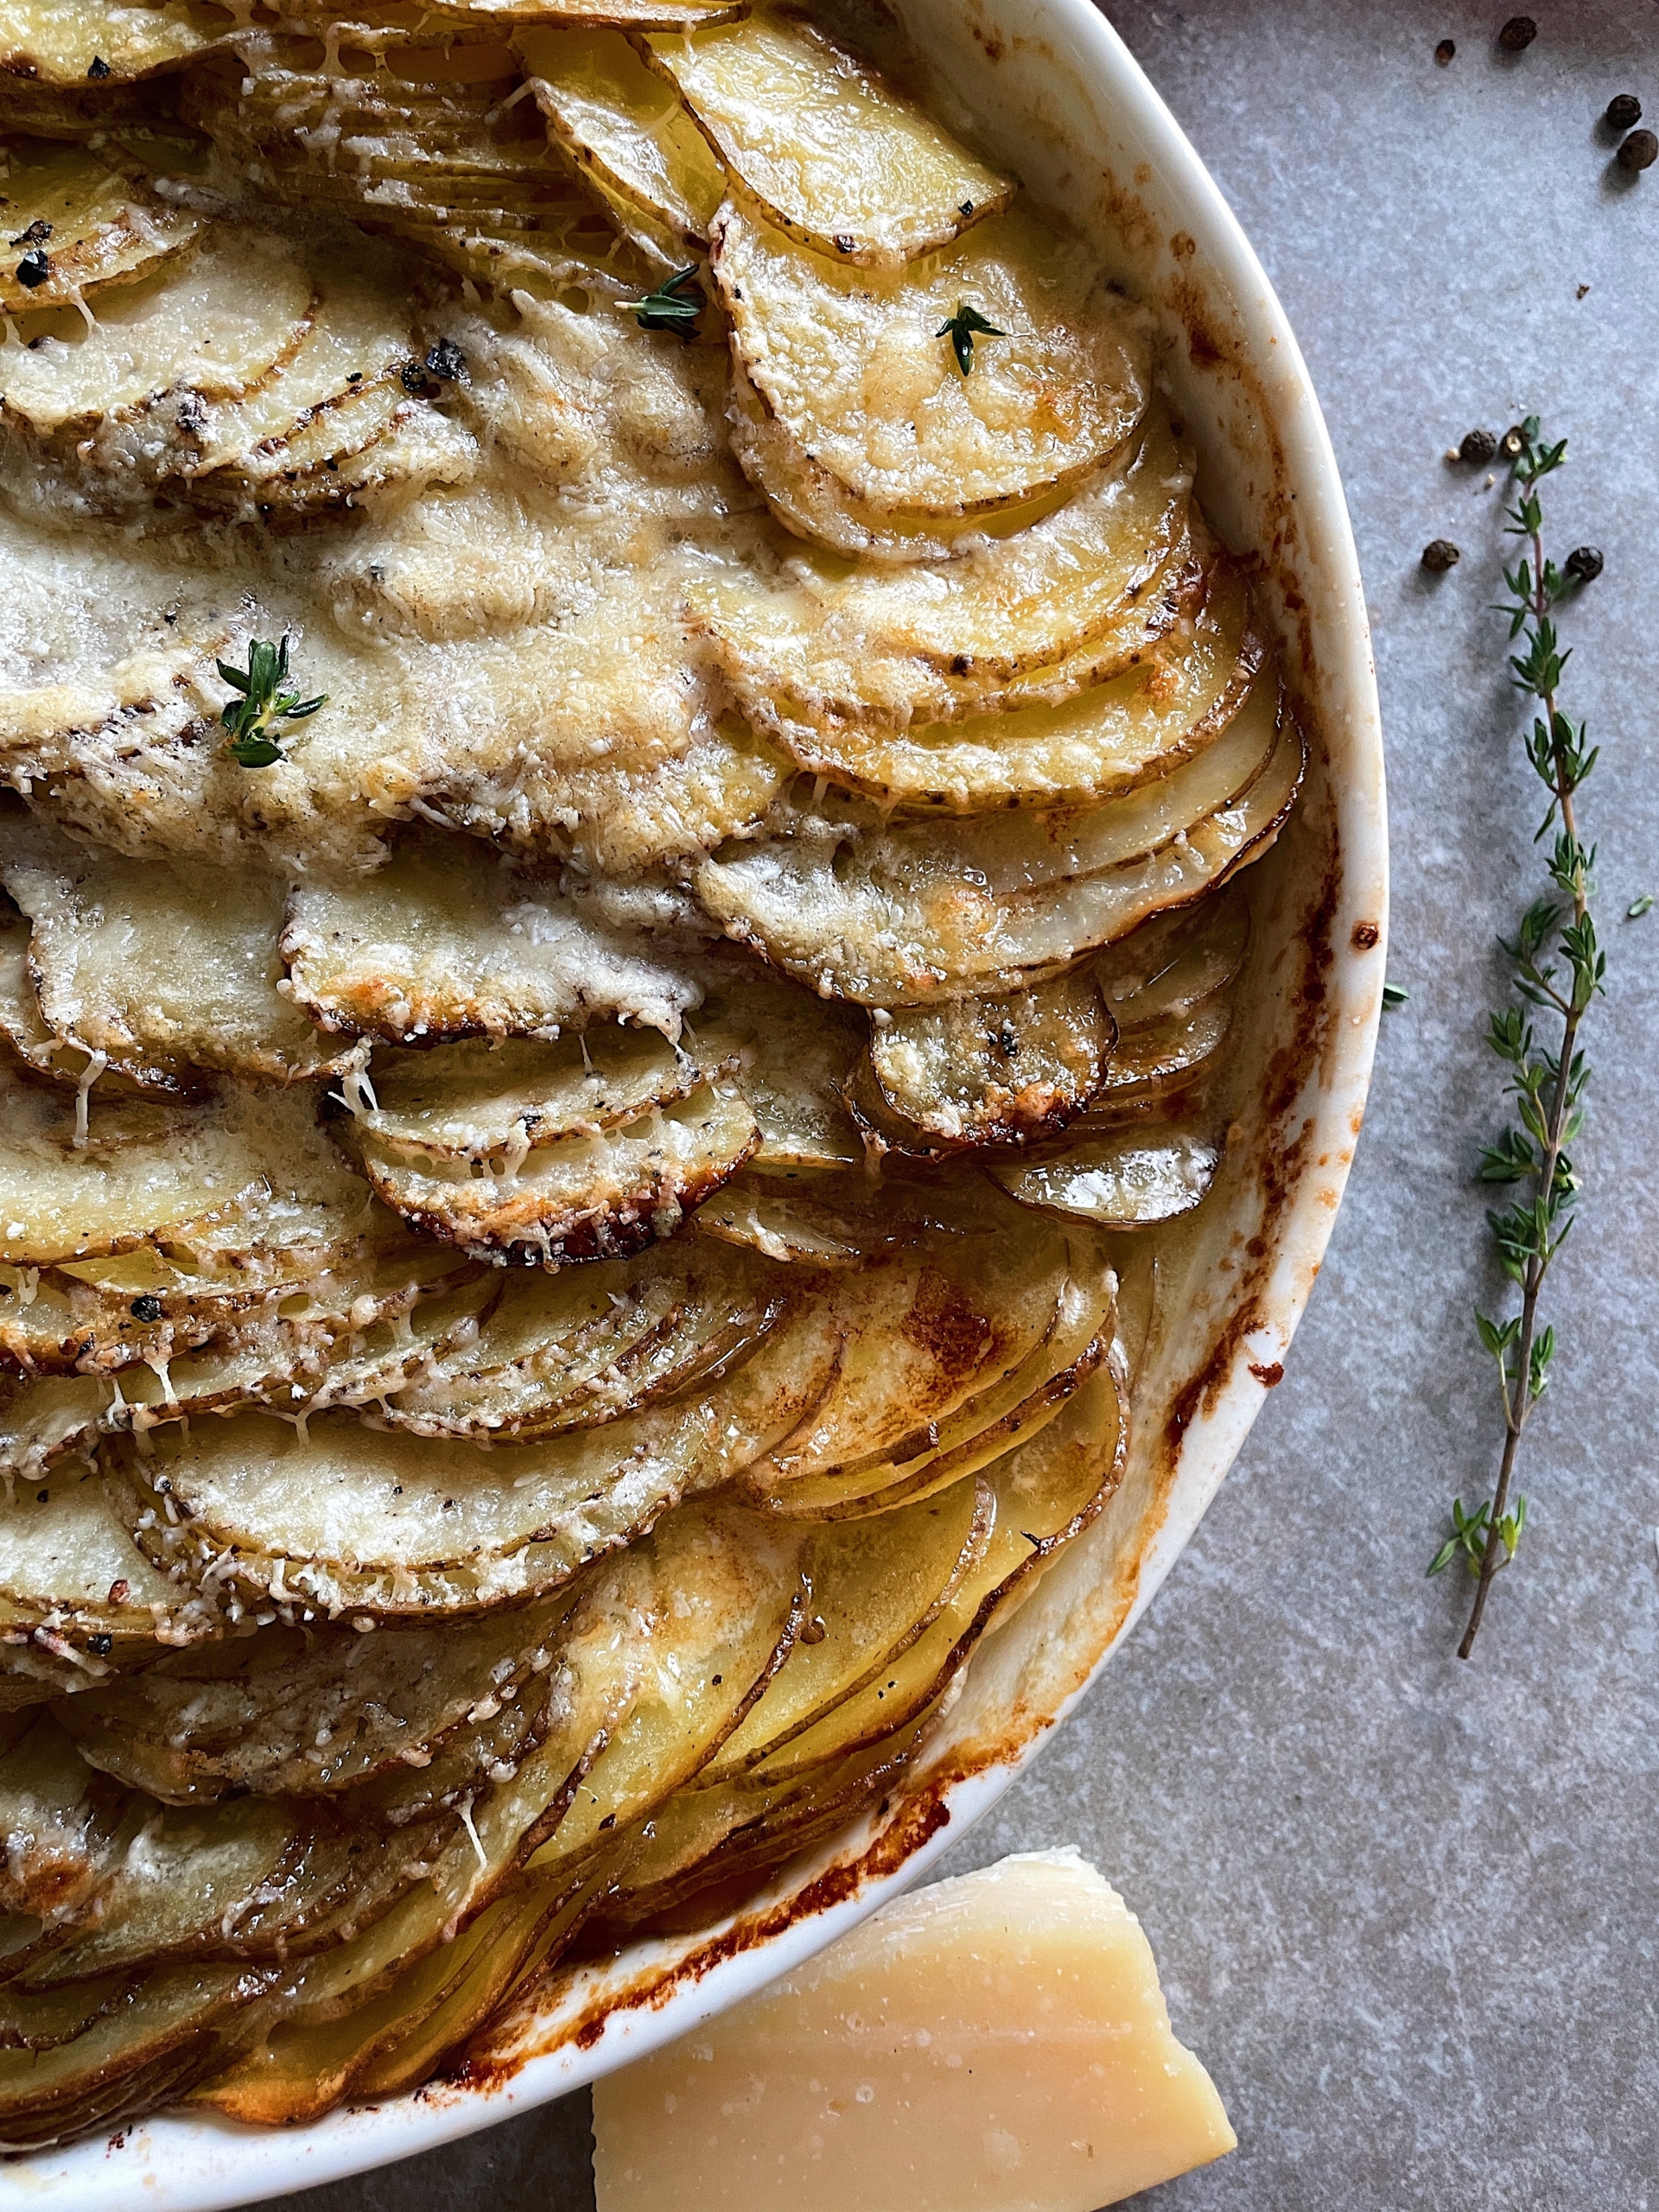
(1045, 612)
(62, 1826)
(79, 227)
(213, 325)
(988, 1072)
(1101, 741)
(822, 146)
(497, 1101)
(572, 1350)
(926, 1336)
(579, 1198)
(1131, 1179)
(450, 940)
(1046, 1490)
(877, 1585)
(855, 365)
(618, 121)
(343, 1518)
(149, 965)
(899, 917)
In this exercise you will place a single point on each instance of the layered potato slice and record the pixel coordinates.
(450, 939)
(341, 1518)
(575, 1198)
(155, 970)
(624, 129)
(211, 325)
(896, 917)
(824, 147)
(585, 1346)
(1079, 595)
(977, 1072)
(68, 67)
(856, 367)
(1104, 740)
(79, 227)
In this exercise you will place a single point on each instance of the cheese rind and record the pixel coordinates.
(995, 2044)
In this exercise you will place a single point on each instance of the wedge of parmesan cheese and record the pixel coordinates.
(995, 2044)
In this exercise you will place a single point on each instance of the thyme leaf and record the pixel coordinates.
(962, 328)
(670, 307)
(261, 701)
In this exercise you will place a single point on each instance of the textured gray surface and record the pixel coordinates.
(1406, 1908)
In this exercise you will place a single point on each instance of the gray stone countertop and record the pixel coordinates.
(1405, 1907)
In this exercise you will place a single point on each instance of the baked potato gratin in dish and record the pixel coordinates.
(628, 773)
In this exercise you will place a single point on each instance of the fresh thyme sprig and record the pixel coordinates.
(1558, 973)
(670, 307)
(962, 328)
(262, 700)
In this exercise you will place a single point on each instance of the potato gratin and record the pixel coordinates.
(621, 739)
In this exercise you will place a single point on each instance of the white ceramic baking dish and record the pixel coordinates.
(1049, 88)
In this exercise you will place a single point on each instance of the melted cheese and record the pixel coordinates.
(996, 2043)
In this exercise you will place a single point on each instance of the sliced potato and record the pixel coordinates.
(1080, 595)
(70, 1562)
(898, 918)
(877, 1585)
(572, 1350)
(212, 326)
(62, 1826)
(497, 1102)
(616, 120)
(150, 966)
(450, 940)
(579, 1198)
(26, 1030)
(1101, 741)
(1171, 966)
(1157, 1055)
(855, 365)
(988, 1072)
(305, 1712)
(78, 226)
(1045, 1491)
(342, 1518)
(241, 1174)
(822, 146)
(56, 43)
(818, 1218)
(590, 14)
(793, 1057)
(1133, 1178)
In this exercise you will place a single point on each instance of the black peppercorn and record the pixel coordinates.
(1624, 111)
(97, 67)
(100, 1646)
(1584, 564)
(34, 270)
(1478, 447)
(146, 1307)
(1639, 151)
(414, 379)
(447, 360)
(37, 233)
(1445, 50)
(1517, 34)
(1439, 555)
